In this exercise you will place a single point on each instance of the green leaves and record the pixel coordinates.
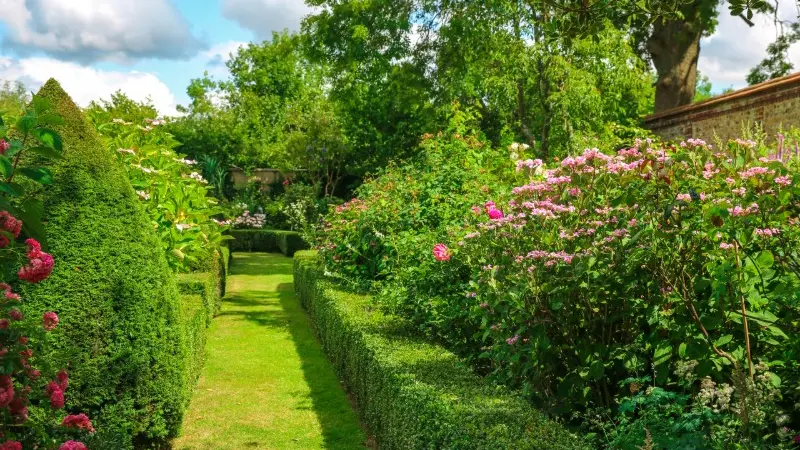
(49, 138)
(38, 174)
(48, 152)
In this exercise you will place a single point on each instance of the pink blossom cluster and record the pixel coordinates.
(767, 232)
(55, 390)
(441, 252)
(247, 220)
(354, 204)
(747, 143)
(79, 421)
(533, 188)
(784, 180)
(40, 264)
(694, 143)
(738, 211)
(552, 257)
(11, 225)
(528, 163)
(8, 295)
(754, 171)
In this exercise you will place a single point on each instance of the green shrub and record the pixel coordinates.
(196, 317)
(204, 285)
(211, 272)
(286, 242)
(413, 394)
(254, 241)
(120, 330)
(290, 242)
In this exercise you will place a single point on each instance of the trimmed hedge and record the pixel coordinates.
(121, 316)
(208, 284)
(413, 394)
(268, 241)
(197, 317)
(204, 286)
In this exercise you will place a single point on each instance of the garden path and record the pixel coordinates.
(266, 383)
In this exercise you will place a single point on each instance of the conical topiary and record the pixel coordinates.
(111, 287)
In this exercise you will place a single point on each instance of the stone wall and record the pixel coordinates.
(775, 104)
(266, 176)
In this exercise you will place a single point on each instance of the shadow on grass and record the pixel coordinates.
(281, 310)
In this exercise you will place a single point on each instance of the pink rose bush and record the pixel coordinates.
(25, 382)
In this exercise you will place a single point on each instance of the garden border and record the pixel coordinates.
(413, 394)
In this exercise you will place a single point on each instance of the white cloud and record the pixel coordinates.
(85, 84)
(265, 16)
(93, 30)
(728, 55)
(219, 54)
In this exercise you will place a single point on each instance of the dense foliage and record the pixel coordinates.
(174, 193)
(648, 294)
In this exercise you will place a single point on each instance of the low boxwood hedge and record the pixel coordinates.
(196, 318)
(413, 394)
(205, 286)
(269, 241)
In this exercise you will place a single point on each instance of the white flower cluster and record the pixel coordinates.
(126, 150)
(188, 162)
(198, 177)
(246, 220)
(143, 195)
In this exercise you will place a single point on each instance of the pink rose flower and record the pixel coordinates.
(40, 264)
(495, 214)
(79, 421)
(50, 321)
(72, 445)
(441, 253)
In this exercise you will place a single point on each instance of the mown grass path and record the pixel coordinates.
(266, 383)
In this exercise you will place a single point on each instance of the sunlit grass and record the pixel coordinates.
(266, 383)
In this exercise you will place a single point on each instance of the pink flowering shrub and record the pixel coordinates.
(402, 214)
(655, 275)
(669, 267)
(32, 390)
(27, 379)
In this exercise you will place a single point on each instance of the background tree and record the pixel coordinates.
(510, 60)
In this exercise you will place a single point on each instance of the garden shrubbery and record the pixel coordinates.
(646, 294)
(121, 315)
(412, 394)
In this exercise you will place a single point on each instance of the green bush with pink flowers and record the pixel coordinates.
(33, 382)
(647, 294)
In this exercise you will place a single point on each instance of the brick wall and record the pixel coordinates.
(773, 104)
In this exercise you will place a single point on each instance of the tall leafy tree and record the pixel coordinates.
(510, 60)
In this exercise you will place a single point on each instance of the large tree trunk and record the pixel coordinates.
(674, 47)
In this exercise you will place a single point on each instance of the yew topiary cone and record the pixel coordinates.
(117, 299)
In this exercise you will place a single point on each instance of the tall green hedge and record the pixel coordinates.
(121, 317)
(413, 394)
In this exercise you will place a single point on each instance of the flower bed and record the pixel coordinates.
(413, 394)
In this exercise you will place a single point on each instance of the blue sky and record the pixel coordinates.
(147, 48)
(153, 48)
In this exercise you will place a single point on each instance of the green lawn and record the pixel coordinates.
(266, 382)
